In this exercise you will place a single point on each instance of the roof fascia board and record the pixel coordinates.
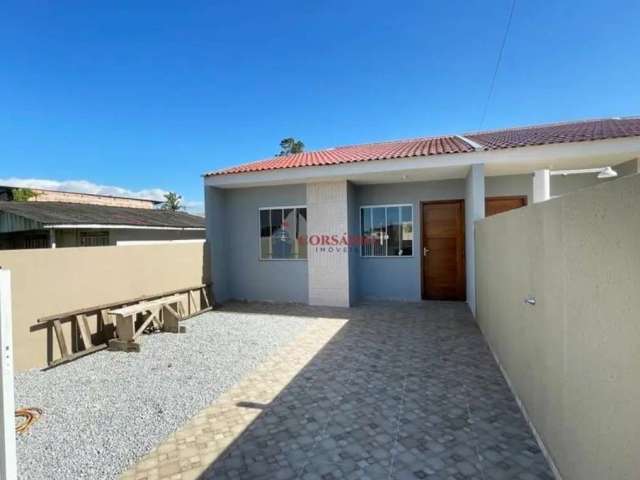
(540, 156)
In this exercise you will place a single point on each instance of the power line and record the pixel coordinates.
(495, 72)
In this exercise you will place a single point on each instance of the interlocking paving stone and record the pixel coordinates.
(377, 391)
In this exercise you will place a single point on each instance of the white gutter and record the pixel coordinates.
(119, 227)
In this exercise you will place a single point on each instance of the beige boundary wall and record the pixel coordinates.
(573, 359)
(52, 281)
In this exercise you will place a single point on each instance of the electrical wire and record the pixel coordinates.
(495, 72)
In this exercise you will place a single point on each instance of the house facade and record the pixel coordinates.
(393, 220)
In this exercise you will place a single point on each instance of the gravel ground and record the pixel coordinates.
(105, 411)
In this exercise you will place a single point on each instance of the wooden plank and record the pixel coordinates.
(172, 321)
(125, 327)
(195, 314)
(85, 332)
(74, 356)
(60, 336)
(146, 322)
(205, 294)
(144, 306)
(192, 297)
(106, 317)
(97, 308)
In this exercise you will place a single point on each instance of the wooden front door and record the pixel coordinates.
(443, 263)
(495, 205)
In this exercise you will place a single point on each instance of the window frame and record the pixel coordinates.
(385, 206)
(104, 234)
(277, 207)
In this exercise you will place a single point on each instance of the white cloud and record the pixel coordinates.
(85, 186)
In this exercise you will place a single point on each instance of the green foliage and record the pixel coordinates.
(290, 146)
(172, 201)
(22, 194)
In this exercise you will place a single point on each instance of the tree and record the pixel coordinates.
(22, 194)
(172, 201)
(289, 146)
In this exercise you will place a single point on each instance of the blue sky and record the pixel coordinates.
(146, 96)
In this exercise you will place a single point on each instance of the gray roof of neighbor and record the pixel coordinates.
(60, 213)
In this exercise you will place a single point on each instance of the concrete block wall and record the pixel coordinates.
(572, 358)
(328, 267)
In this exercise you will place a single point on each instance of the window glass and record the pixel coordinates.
(386, 231)
(406, 235)
(265, 234)
(366, 232)
(393, 231)
(280, 241)
(281, 232)
(379, 231)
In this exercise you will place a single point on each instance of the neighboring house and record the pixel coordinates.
(61, 224)
(42, 195)
(277, 227)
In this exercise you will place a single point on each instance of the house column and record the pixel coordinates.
(541, 185)
(328, 264)
(474, 210)
(52, 238)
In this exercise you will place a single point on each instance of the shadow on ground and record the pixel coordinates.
(402, 391)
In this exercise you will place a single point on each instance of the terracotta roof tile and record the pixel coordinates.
(357, 153)
(558, 133)
(492, 140)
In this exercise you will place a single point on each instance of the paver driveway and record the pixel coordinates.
(398, 391)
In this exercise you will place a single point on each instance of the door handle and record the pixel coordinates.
(425, 250)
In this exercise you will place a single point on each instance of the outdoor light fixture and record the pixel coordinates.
(603, 172)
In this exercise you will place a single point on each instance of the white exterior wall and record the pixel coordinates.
(328, 267)
(474, 210)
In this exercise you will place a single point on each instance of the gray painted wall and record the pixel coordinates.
(233, 225)
(573, 358)
(232, 231)
(215, 208)
(400, 278)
